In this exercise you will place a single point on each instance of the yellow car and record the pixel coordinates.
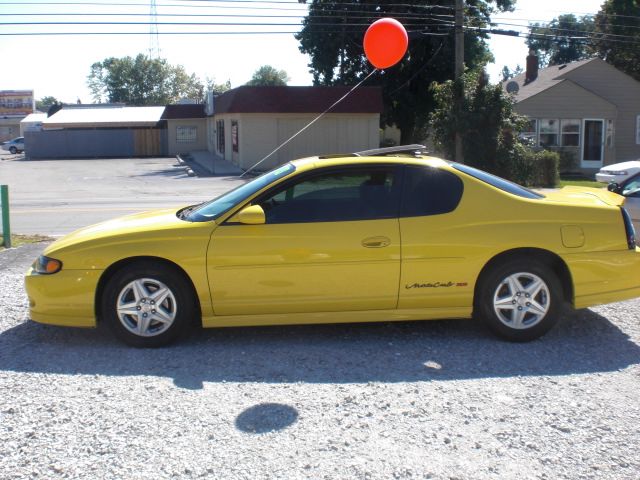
(381, 237)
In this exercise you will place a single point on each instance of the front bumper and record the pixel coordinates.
(608, 178)
(65, 298)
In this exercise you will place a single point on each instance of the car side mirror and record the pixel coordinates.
(613, 187)
(251, 215)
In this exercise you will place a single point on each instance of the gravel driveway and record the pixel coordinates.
(406, 400)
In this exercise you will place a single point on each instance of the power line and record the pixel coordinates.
(407, 16)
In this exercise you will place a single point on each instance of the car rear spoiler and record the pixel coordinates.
(414, 149)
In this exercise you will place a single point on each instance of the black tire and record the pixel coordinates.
(136, 288)
(502, 301)
(13, 150)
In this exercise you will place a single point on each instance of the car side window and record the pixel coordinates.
(429, 191)
(632, 188)
(336, 196)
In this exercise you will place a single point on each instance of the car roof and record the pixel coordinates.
(311, 163)
(401, 154)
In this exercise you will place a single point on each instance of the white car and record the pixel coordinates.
(618, 172)
(15, 145)
(630, 190)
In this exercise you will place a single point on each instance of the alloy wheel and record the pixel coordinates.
(146, 307)
(521, 300)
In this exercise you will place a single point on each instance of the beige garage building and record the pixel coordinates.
(248, 123)
(186, 128)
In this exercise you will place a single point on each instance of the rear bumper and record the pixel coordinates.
(604, 277)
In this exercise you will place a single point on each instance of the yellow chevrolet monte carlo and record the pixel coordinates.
(354, 238)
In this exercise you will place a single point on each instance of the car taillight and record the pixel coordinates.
(628, 227)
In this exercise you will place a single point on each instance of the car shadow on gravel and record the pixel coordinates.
(584, 342)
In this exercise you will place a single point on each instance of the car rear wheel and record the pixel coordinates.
(148, 304)
(520, 300)
(13, 150)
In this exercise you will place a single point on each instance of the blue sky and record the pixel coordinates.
(58, 65)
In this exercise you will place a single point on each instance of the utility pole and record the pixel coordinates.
(154, 43)
(459, 70)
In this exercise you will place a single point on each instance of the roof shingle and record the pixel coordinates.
(547, 78)
(299, 100)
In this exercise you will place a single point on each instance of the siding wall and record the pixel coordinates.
(570, 101)
(201, 135)
(602, 79)
(260, 134)
(9, 128)
(89, 143)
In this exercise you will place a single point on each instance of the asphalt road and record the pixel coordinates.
(55, 197)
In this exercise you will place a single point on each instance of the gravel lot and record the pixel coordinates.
(411, 400)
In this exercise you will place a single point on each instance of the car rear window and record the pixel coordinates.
(501, 183)
(429, 191)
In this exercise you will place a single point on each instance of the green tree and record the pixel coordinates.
(507, 73)
(217, 88)
(486, 119)
(617, 27)
(562, 40)
(44, 103)
(332, 36)
(269, 76)
(142, 81)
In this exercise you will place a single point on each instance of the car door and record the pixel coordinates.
(435, 271)
(631, 192)
(331, 242)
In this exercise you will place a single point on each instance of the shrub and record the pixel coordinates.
(519, 165)
(568, 161)
(547, 163)
(523, 165)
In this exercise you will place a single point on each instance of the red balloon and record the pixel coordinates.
(385, 42)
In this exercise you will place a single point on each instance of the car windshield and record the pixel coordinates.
(501, 183)
(216, 207)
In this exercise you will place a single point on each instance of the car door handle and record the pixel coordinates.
(376, 242)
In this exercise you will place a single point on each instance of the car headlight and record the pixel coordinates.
(46, 265)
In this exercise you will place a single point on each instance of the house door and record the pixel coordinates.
(593, 143)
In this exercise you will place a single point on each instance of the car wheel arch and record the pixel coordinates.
(546, 257)
(127, 262)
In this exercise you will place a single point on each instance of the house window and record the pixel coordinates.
(530, 132)
(220, 131)
(211, 129)
(186, 134)
(549, 129)
(234, 136)
(570, 132)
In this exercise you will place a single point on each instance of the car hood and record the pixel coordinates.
(585, 196)
(617, 167)
(137, 224)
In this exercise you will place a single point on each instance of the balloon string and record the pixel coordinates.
(310, 123)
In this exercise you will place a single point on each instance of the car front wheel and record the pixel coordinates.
(13, 150)
(148, 305)
(520, 301)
